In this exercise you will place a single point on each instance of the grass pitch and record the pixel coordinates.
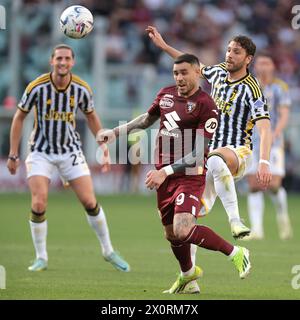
(78, 271)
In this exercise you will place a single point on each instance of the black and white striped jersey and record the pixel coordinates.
(55, 113)
(240, 103)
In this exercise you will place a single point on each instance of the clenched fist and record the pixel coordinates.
(105, 136)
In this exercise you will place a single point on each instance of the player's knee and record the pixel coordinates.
(39, 203)
(274, 189)
(170, 236)
(216, 165)
(181, 232)
(37, 216)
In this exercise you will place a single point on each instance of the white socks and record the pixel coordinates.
(279, 200)
(233, 252)
(224, 186)
(209, 194)
(39, 236)
(99, 224)
(193, 253)
(256, 212)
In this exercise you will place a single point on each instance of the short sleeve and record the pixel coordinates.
(87, 104)
(28, 99)
(209, 117)
(259, 108)
(154, 108)
(210, 72)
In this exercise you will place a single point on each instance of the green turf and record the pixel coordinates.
(77, 270)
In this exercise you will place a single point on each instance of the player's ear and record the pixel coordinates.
(197, 69)
(250, 59)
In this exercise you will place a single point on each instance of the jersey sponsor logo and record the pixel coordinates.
(72, 102)
(169, 134)
(190, 107)
(166, 102)
(170, 123)
(63, 116)
(223, 105)
(211, 125)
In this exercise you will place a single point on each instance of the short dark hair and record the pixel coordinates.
(246, 43)
(62, 46)
(187, 57)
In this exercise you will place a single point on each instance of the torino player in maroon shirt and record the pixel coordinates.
(188, 119)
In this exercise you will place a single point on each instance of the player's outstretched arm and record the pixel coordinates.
(15, 137)
(143, 121)
(158, 40)
(193, 161)
(263, 172)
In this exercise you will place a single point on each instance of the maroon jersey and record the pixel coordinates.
(180, 117)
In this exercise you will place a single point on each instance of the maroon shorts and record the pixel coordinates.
(178, 195)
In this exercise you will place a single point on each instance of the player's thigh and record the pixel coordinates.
(39, 187)
(84, 190)
(230, 158)
(183, 223)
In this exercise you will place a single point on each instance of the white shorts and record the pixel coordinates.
(277, 163)
(245, 158)
(70, 165)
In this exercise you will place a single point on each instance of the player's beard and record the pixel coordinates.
(234, 67)
(188, 88)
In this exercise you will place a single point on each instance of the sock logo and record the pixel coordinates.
(2, 278)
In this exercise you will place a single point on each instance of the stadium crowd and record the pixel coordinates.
(202, 27)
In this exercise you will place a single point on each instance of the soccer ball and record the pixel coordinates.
(76, 22)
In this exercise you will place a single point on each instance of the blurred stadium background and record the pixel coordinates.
(125, 71)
